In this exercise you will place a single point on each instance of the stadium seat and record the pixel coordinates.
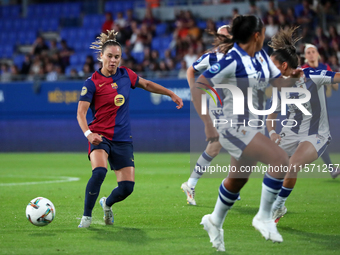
(127, 5)
(220, 23)
(165, 42)
(161, 29)
(156, 43)
(202, 24)
(114, 7)
(139, 56)
(8, 51)
(18, 60)
(74, 59)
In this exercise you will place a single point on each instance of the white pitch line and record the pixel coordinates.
(65, 179)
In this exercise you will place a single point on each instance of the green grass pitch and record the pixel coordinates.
(155, 219)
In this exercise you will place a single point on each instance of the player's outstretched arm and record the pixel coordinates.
(191, 76)
(336, 78)
(158, 89)
(83, 107)
(280, 82)
(196, 94)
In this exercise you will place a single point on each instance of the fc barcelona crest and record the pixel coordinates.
(114, 85)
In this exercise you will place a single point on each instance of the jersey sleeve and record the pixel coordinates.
(134, 78)
(320, 77)
(88, 90)
(278, 107)
(223, 69)
(202, 63)
(273, 70)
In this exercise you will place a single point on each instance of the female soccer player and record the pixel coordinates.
(309, 138)
(213, 148)
(312, 57)
(245, 66)
(107, 92)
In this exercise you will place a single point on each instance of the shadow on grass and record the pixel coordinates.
(330, 242)
(42, 234)
(121, 234)
(245, 209)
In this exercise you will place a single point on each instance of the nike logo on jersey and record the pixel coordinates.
(101, 84)
(92, 193)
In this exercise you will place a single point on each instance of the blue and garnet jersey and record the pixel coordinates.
(319, 67)
(109, 102)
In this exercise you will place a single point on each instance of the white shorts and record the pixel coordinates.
(236, 139)
(290, 141)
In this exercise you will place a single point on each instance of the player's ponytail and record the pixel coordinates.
(104, 40)
(283, 44)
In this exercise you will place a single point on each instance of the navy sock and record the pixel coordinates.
(325, 157)
(93, 188)
(121, 192)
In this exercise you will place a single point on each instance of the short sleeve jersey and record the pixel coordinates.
(239, 69)
(317, 122)
(109, 101)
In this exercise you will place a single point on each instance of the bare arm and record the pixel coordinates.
(271, 126)
(158, 89)
(210, 131)
(280, 82)
(191, 76)
(83, 107)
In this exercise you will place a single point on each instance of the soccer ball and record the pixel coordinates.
(40, 211)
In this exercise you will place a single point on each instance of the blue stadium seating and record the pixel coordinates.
(19, 60)
(138, 56)
(161, 29)
(202, 24)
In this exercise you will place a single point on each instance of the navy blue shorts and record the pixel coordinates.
(120, 154)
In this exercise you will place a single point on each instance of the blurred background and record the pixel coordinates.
(45, 58)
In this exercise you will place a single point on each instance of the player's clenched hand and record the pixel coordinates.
(94, 138)
(276, 138)
(211, 133)
(177, 100)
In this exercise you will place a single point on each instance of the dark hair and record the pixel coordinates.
(244, 26)
(283, 44)
(104, 40)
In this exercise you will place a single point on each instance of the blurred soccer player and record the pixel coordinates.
(309, 138)
(312, 60)
(245, 65)
(107, 92)
(213, 148)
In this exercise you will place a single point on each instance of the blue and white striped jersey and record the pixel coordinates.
(202, 64)
(207, 60)
(317, 122)
(239, 69)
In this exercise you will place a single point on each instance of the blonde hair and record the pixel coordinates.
(104, 40)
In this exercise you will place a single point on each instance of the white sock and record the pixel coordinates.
(192, 182)
(279, 202)
(225, 201)
(202, 163)
(282, 197)
(269, 193)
